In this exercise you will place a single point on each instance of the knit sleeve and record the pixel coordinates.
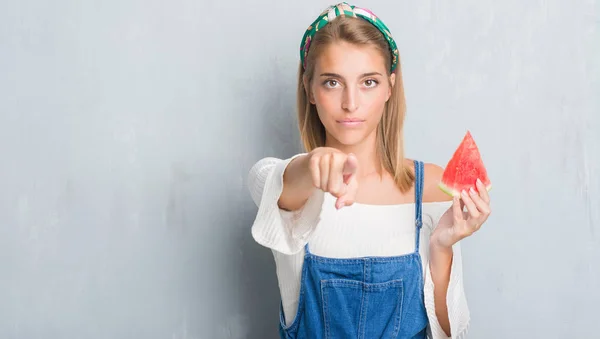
(458, 309)
(284, 231)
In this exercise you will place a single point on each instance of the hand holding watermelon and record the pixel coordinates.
(456, 224)
(466, 179)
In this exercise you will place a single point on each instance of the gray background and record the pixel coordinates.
(127, 129)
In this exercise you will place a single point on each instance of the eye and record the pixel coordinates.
(371, 83)
(330, 83)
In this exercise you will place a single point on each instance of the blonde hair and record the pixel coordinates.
(390, 142)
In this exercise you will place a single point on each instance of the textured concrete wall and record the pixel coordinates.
(127, 129)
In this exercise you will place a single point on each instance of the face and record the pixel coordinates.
(349, 88)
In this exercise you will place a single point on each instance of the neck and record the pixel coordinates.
(365, 152)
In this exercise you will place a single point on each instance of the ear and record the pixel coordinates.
(392, 83)
(306, 83)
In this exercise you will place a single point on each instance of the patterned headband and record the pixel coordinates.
(344, 9)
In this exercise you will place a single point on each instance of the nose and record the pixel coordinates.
(350, 99)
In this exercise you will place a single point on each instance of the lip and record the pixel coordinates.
(350, 122)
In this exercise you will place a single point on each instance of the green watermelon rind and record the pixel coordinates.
(451, 192)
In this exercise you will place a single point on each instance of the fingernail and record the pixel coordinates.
(479, 181)
(472, 191)
(464, 193)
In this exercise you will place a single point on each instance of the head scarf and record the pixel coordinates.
(344, 9)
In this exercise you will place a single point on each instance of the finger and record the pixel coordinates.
(349, 197)
(324, 171)
(481, 205)
(339, 203)
(342, 202)
(315, 172)
(473, 211)
(350, 167)
(483, 192)
(336, 184)
(457, 209)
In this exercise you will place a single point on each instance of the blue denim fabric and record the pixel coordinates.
(367, 297)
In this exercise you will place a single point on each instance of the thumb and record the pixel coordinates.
(348, 198)
(350, 167)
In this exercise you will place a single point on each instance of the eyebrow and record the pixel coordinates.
(335, 75)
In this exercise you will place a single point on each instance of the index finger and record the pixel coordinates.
(483, 192)
(350, 167)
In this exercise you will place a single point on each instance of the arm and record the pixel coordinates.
(454, 224)
(440, 263)
(440, 258)
(297, 184)
(274, 227)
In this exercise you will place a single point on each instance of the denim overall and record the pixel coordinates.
(362, 298)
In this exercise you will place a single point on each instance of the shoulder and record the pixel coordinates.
(431, 190)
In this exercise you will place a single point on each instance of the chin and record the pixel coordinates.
(349, 139)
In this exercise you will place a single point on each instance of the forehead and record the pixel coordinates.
(349, 59)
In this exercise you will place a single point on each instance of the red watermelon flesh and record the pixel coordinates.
(464, 168)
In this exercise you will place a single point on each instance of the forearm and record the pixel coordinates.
(297, 184)
(440, 263)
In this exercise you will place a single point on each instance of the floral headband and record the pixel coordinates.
(344, 9)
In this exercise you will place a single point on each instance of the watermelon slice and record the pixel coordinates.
(464, 168)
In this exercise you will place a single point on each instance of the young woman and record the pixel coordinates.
(365, 243)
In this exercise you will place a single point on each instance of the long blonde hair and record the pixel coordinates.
(390, 142)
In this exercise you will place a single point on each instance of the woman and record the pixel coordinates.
(365, 244)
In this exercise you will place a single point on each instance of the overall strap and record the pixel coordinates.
(306, 250)
(419, 177)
